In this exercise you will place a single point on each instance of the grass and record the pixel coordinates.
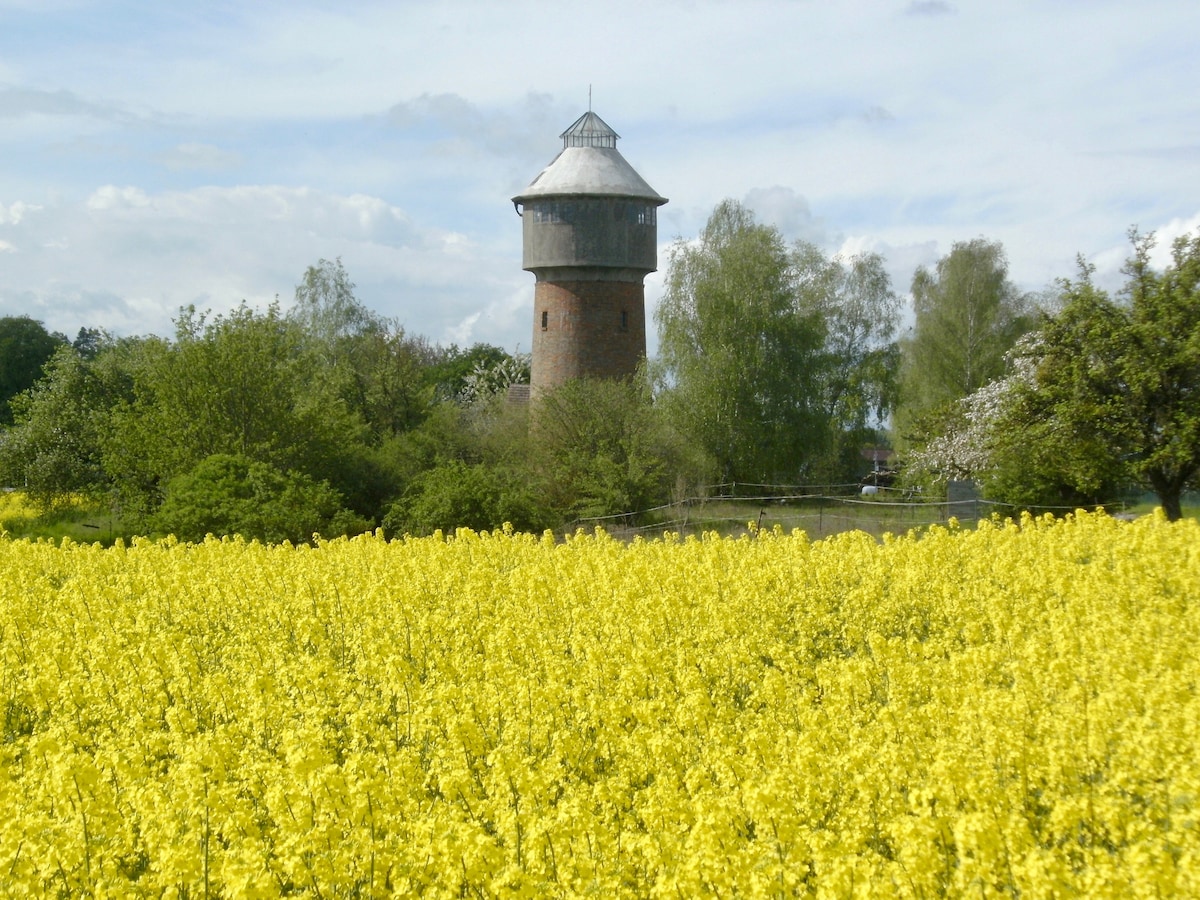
(80, 519)
(1190, 506)
(88, 521)
(823, 516)
(817, 516)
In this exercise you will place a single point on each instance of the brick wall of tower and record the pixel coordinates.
(586, 329)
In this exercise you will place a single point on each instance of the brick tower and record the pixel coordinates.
(590, 237)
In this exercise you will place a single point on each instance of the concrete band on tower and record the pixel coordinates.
(590, 237)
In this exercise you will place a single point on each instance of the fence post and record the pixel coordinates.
(957, 495)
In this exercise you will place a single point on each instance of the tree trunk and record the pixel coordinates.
(1172, 507)
(1169, 488)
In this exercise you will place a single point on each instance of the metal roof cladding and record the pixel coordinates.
(589, 163)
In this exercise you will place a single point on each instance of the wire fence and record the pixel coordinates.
(818, 510)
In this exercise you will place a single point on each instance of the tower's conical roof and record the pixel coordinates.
(589, 164)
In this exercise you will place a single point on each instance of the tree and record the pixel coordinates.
(968, 315)
(778, 361)
(90, 341)
(488, 380)
(326, 307)
(859, 360)
(738, 351)
(240, 384)
(1104, 392)
(1122, 377)
(454, 366)
(602, 449)
(457, 494)
(230, 494)
(55, 447)
(1005, 437)
(25, 347)
(379, 370)
(385, 379)
(861, 313)
(468, 465)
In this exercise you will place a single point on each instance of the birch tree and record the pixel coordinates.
(739, 352)
(967, 316)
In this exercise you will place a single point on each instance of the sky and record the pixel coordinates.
(159, 154)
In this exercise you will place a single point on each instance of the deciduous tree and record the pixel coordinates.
(56, 446)
(383, 373)
(740, 353)
(779, 362)
(968, 315)
(859, 362)
(602, 449)
(326, 306)
(1105, 392)
(25, 347)
(241, 384)
(1123, 376)
(229, 494)
(1006, 438)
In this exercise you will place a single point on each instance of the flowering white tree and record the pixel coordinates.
(488, 380)
(1103, 398)
(965, 449)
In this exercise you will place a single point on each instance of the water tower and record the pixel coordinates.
(590, 237)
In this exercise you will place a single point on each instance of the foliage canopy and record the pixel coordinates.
(1121, 377)
(25, 347)
(1105, 392)
(771, 356)
(967, 317)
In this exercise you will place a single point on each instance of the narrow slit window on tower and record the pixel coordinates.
(624, 320)
(545, 320)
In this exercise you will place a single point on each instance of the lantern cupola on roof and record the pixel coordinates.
(589, 130)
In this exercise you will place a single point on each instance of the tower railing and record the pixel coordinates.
(591, 139)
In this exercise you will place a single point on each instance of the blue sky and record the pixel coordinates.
(157, 154)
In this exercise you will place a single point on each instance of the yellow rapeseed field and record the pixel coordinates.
(1004, 711)
(16, 508)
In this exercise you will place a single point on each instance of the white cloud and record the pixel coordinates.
(243, 147)
(900, 260)
(788, 211)
(929, 8)
(15, 212)
(16, 102)
(111, 197)
(1167, 233)
(508, 313)
(199, 156)
(128, 259)
(1110, 259)
(462, 333)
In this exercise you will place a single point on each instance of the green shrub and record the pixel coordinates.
(454, 494)
(227, 494)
